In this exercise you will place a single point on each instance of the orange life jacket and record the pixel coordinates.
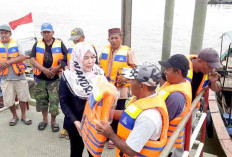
(56, 55)
(186, 90)
(13, 52)
(128, 118)
(98, 107)
(119, 62)
(205, 80)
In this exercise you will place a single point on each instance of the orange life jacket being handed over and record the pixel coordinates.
(98, 107)
(56, 55)
(119, 62)
(186, 90)
(13, 52)
(128, 118)
(204, 82)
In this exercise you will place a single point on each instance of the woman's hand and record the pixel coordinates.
(78, 126)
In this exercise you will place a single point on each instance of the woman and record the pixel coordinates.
(75, 87)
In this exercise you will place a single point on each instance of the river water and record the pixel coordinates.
(95, 17)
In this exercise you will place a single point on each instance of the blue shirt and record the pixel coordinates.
(175, 103)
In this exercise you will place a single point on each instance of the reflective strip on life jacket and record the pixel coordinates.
(127, 120)
(98, 107)
(119, 62)
(56, 55)
(186, 90)
(205, 80)
(13, 52)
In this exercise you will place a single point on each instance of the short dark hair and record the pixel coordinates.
(151, 88)
(184, 72)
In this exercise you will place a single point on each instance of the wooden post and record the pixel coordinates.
(167, 32)
(198, 26)
(126, 21)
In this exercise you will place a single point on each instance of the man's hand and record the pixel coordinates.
(78, 126)
(3, 65)
(54, 70)
(122, 81)
(48, 73)
(104, 129)
(214, 76)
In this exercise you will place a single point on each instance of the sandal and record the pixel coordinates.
(13, 121)
(63, 133)
(42, 126)
(26, 121)
(55, 127)
(110, 145)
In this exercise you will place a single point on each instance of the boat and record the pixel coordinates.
(220, 103)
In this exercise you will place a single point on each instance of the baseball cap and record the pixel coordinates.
(178, 61)
(210, 55)
(76, 33)
(5, 28)
(146, 73)
(46, 27)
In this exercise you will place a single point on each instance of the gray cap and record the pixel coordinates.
(5, 28)
(147, 73)
(210, 55)
(76, 33)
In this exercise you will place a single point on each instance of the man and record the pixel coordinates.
(113, 58)
(176, 92)
(46, 57)
(202, 71)
(143, 125)
(77, 35)
(13, 81)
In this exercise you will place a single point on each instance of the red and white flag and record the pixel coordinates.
(24, 20)
(23, 27)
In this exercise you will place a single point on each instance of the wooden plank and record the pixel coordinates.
(227, 147)
(213, 107)
(211, 95)
(220, 127)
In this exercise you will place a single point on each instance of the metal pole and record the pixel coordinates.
(126, 21)
(198, 26)
(167, 32)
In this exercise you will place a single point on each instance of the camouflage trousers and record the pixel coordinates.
(46, 96)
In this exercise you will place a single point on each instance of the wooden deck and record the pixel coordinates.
(28, 141)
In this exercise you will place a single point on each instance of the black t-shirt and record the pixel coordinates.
(48, 59)
(196, 81)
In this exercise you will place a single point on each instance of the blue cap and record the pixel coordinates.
(46, 27)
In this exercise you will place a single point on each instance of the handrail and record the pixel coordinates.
(165, 152)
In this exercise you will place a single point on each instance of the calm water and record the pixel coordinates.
(97, 16)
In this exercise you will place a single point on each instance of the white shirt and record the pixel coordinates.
(148, 125)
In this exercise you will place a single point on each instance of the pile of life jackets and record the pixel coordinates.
(99, 106)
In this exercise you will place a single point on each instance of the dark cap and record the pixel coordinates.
(5, 28)
(210, 55)
(147, 73)
(178, 61)
(114, 31)
(76, 33)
